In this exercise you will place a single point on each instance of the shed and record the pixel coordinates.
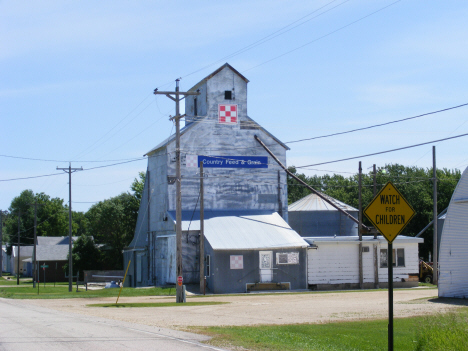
(453, 250)
(333, 262)
(54, 257)
(252, 249)
(312, 216)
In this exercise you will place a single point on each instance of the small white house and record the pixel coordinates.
(453, 249)
(333, 262)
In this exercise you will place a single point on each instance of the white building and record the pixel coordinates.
(453, 248)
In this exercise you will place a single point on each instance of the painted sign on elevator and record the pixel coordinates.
(227, 161)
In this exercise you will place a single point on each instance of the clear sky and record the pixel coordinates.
(77, 77)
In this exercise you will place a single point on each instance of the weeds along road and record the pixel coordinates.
(30, 327)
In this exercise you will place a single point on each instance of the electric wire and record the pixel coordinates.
(383, 152)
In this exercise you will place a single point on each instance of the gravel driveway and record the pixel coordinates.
(250, 309)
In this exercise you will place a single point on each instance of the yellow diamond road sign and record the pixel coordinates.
(389, 212)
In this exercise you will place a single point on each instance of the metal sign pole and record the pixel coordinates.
(390, 295)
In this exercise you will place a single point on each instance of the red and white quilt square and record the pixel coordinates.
(227, 114)
(191, 161)
(237, 262)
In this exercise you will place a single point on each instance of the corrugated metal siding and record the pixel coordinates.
(453, 253)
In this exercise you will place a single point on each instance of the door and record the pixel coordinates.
(266, 266)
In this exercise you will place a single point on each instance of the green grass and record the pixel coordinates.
(439, 332)
(12, 281)
(155, 304)
(61, 292)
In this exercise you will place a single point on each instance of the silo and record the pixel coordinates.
(312, 216)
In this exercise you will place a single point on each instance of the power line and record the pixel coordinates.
(378, 125)
(384, 152)
(39, 176)
(271, 36)
(49, 160)
(321, 37)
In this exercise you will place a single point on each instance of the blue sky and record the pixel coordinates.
(76, 82)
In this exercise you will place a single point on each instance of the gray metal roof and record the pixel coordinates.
(243, 230)
(51, 252)
(54, 240)
(25, 251)
(313, 202)
(366, 239)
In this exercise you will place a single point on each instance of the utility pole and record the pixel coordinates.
(1, 242)
(35, 241)
(435, 274)
(70, 170)
(18, 258)
(202, 232)
(376, 256)
(175, 96)
(361, 275)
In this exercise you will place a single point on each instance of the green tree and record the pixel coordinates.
(86, 256)
(112, 223)
(52, 217)
(138, 185)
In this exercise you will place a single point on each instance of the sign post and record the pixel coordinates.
(44, 266)
(389, 212)
(180, 280)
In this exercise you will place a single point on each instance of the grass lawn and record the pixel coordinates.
(156, 304)
(12, 280)
(438, 332)
(61, 292)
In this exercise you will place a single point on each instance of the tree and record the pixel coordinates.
(112, 222)
(138, 186)
(86, 255)
(51, 217)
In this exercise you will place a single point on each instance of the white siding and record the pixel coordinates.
(453, 252)
(338, 263)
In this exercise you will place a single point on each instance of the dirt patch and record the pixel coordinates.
(251, 309)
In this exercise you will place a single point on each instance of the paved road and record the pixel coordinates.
(31, 327)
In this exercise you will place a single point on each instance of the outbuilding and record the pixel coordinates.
(312, 216)
(333, 262)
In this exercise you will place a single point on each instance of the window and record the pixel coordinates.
(287, 258)
(228, 95)
(207, 263)
(398, 261)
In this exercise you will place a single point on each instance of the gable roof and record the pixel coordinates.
(312, 202)
(251, 122)
(51, 253)
(54, 240)
(242, 229)
(211, 75)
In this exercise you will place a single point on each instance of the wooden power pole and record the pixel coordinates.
(70, 170)
(435, 259)
(175, 96)
(202, 232)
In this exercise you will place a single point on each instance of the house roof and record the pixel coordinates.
(313, 202)
(51, 253)
(54, 240)
(242, 230)
(25, 251)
